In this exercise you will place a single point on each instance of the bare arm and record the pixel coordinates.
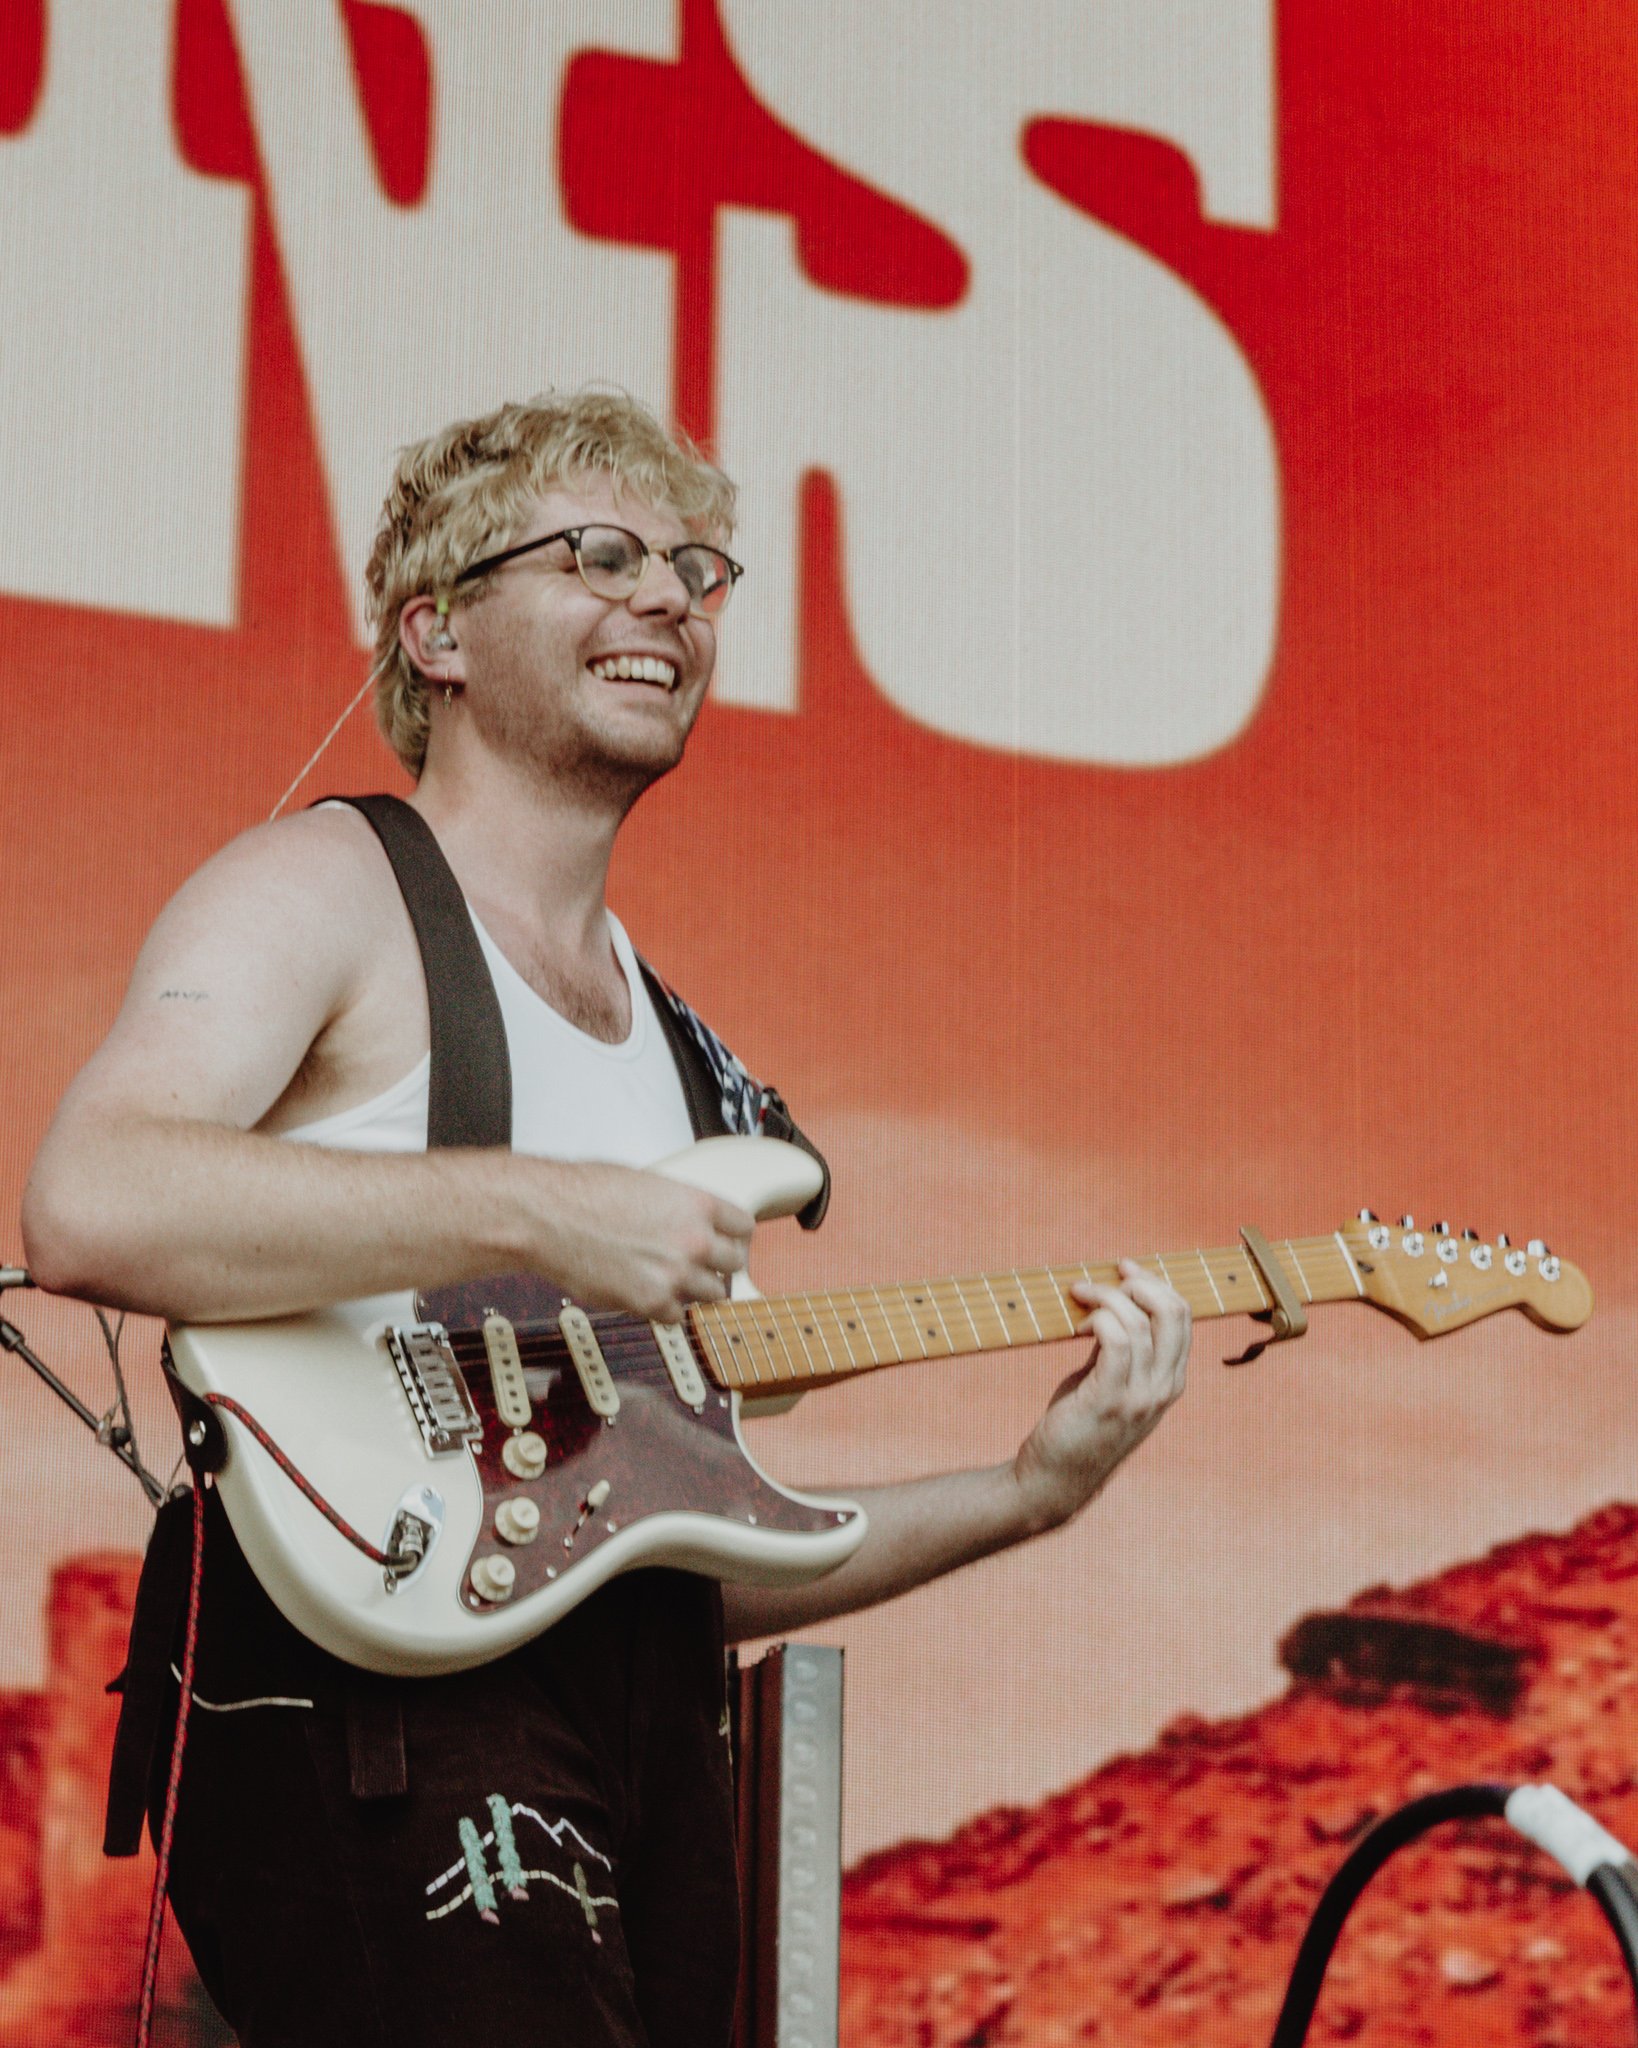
(154, 1190)
(926, 1527)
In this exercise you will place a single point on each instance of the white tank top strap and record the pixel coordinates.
(573, 1096)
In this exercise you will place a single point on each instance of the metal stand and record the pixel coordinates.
(115, 1434)
(789, 1754)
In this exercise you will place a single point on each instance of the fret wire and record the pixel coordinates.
(772, 1311)
(1006, 1327)
(961, 1296)
(733, 1312)
(896, 1347)
(965, 1293)
(833, 1302)
(1053, 1304)
(931, 1287)
(911, 1317)
(929, 1295)
(834, 1305)
(1354, 1273)
(1029, 1305)
(885, 1325)
(745, 1375)
(818, 1330)
(860, 1326)
(703, 1330)
(895, 1319)
(1297, 1262)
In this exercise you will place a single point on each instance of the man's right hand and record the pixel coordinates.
(615, 1238)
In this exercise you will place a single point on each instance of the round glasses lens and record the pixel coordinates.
(705, 574)
(611, 560)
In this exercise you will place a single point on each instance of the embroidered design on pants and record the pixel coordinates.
(486, 1887)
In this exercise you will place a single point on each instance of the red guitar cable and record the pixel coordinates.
(162, 1868)
(303, 1485)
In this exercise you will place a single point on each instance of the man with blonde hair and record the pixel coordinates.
(267, 1130)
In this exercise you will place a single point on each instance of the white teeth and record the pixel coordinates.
(638, 668)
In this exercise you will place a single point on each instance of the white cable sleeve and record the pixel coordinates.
(1545, 1816)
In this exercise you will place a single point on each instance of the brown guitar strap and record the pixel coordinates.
(469, 1091)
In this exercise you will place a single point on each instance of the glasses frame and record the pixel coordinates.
(575, 534)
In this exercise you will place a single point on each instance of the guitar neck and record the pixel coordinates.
(802, 1339)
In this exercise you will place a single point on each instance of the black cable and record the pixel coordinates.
(1459, 1802)
(1612, 1888)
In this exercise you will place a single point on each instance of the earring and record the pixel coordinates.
(449, 694)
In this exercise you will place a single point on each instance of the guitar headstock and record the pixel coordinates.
(1437, 1281)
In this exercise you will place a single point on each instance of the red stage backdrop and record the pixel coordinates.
(1170, 763)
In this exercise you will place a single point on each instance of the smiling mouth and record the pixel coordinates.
(636, 668)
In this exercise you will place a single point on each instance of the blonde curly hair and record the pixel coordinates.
(468, 491)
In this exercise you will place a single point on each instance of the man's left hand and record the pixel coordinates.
(1100, 1414)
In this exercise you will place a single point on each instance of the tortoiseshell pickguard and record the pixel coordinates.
(657, 1455)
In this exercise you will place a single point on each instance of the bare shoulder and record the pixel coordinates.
(302, 877)
(256, 957)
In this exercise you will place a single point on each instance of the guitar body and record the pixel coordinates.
(662, 1480)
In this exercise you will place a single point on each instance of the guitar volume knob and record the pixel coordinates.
(493, 1579)
(517, 1521)
(524, 1454)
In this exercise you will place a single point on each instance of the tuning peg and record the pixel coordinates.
(1441, 1230)
(1502, 1240)
(1536, 1248)
(1472, 1236)
(1367, 1215)
(1407, 1222)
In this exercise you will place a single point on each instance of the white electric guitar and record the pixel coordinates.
(495, 1452)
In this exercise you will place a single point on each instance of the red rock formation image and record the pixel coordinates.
(71, 1922)
(1160, 1900)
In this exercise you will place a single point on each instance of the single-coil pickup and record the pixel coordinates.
(437, 1393)
(500, 1340)
(680, 1363)
(589, 1362)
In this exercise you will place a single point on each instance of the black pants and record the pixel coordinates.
(562, 1862)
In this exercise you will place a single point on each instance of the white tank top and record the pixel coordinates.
(573, 1097)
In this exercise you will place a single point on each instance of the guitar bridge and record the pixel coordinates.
(435, 1387)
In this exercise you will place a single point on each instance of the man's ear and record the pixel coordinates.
(429, 636)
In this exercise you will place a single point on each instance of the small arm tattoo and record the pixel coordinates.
(183, 995)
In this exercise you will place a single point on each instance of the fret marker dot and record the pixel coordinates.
(853, 1326)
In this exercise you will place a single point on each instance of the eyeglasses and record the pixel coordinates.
(611, 562)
